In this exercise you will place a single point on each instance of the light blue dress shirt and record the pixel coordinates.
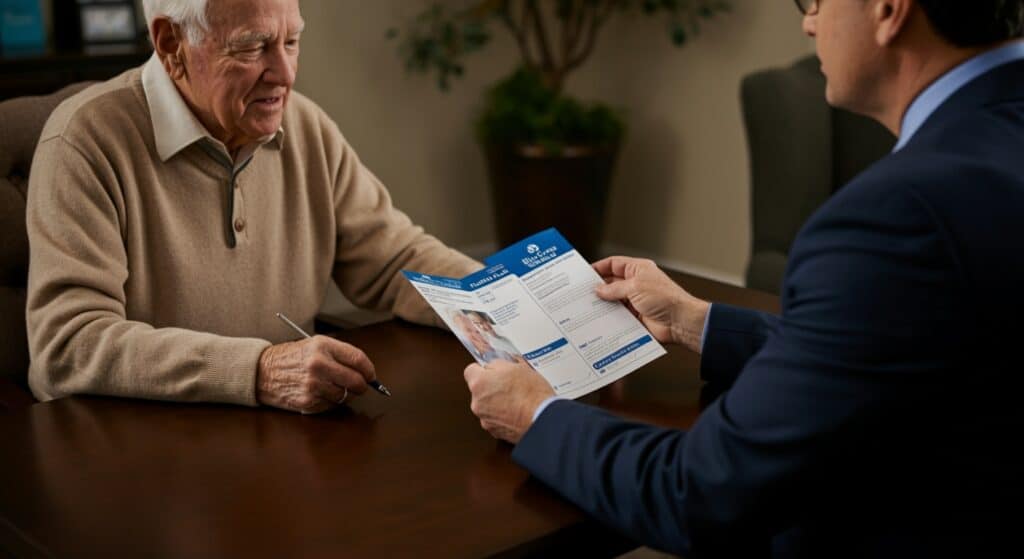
(943, 88)
(923, 106)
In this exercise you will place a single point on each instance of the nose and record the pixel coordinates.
(281, 67)
(810, 25)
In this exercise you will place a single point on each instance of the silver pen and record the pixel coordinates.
(376, 385)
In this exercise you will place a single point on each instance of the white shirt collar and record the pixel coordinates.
(175, 127)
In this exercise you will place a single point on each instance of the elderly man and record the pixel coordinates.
(879, 415)
(174, 209)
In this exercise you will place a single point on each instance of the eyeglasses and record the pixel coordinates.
(807, 7)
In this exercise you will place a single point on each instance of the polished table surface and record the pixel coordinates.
(411, 475)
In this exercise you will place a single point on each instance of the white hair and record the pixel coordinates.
(189, 14)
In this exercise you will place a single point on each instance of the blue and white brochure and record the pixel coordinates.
(534, 303)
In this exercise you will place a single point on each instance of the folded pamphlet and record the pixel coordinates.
(534, 303)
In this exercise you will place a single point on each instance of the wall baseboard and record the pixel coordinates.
(609, 249)
(339, 311)
(480, 251)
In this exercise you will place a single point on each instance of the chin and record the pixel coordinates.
(829, 98)
(265, 128)
(832, 98)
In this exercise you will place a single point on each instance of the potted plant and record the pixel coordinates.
(550, 156)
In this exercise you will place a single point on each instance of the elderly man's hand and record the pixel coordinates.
(311, 375)
(667, 310)
(505, 396)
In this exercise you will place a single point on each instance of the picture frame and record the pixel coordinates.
(21, 27)
(105, 22)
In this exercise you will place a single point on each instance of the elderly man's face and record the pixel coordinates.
(242, 73)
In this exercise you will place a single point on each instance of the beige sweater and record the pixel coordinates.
(134, 289)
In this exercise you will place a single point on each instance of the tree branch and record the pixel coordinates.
(518, 31)
(574, 23)
(565, 29)
(598, 16)
(542, 35)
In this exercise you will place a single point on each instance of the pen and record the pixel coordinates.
(376, 385)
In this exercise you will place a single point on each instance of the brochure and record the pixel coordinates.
(534, 303)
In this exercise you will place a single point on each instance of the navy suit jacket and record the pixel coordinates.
(880, 414)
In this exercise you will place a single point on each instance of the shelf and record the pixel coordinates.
(37, 74)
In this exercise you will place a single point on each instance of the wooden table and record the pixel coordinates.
(411, 475)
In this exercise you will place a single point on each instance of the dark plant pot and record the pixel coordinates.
(533, 191)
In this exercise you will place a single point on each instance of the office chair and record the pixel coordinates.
(801, 151)
(21, 122)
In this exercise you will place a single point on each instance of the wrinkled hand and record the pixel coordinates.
(311, 375)
(667, 310)
(505, 396)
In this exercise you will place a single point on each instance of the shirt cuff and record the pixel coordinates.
(544, 405)
(704, 332)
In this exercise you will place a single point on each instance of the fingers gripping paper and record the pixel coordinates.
(535, 303)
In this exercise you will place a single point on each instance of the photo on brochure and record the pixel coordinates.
(476, 330)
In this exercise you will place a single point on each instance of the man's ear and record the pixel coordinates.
(890, 18)
(169, 44)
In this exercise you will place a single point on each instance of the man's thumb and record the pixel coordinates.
(614, 291)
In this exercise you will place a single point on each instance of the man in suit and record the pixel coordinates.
(878, 415)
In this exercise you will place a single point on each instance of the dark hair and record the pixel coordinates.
(975, 23)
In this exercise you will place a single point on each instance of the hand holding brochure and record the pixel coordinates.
(535, 303)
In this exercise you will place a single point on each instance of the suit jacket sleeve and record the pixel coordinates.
(733, 336)
(871, 315)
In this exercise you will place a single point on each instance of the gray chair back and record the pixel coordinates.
(801, 151)
(21, 122)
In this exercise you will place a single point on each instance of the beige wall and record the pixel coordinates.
(681, 188)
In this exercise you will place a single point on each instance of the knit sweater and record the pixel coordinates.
(161, 279)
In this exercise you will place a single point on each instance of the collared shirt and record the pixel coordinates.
(934, 95)
(176, 127)
(923, 106)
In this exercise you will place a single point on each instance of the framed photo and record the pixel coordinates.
(107, 21)
(21, 27)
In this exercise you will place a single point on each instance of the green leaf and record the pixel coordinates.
(678, 34)
(438, 39)
(520, 110)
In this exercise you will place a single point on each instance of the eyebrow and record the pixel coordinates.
(251, 37)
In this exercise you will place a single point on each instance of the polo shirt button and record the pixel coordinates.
(239, 224)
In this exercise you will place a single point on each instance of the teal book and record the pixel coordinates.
(21, 26)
